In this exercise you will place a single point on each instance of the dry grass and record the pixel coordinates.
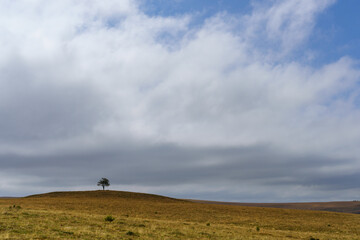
(345, 207)
(81, 215)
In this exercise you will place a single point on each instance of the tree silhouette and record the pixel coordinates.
(104, 182)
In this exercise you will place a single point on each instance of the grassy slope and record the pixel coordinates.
(80, 215)
(345, 207)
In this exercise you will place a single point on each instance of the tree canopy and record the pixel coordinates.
(104, 182)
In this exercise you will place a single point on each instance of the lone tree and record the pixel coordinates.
(104, 182)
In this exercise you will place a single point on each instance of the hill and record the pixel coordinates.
(105, 194)
(81, 215)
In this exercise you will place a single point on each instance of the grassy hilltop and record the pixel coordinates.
(81, 215)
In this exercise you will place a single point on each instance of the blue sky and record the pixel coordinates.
(205, 7)
(337, 31)
(259, 103)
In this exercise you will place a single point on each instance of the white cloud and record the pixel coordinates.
(284, 24)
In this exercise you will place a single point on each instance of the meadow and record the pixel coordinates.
(126, 215)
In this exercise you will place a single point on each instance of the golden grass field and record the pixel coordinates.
(81, 215)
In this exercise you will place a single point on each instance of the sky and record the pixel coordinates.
(228, 100)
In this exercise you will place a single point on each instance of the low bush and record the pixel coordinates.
(130, 233)
(109, 218)
(17, 207)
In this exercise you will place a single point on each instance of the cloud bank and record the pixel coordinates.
(227, 110)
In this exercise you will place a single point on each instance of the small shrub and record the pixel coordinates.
(17, 207)
(257, 228)
(312, 238)
(130, 233)
(208, 224)
(109, 218)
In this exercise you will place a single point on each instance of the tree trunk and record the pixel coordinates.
(103, 188)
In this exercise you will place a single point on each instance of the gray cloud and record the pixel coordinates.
(49, 113)
(169, 165)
